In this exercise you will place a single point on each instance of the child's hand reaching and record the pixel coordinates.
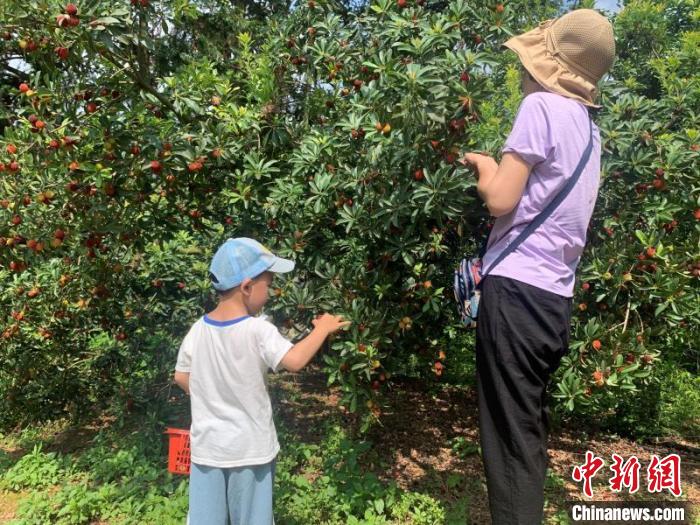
(330, 323)
(302, 352)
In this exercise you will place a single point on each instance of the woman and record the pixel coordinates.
(524, 313)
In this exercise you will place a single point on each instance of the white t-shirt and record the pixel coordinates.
(232, 422)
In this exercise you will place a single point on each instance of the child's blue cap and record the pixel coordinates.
(242, 258)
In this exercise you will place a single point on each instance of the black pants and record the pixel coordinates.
(522, 334)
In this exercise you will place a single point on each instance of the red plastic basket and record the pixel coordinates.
(178, 450)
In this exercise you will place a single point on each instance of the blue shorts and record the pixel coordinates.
(231, 496)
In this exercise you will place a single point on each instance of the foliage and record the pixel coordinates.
(137, 137)
(35, 470)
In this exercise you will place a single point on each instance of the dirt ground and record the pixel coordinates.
(423, 438)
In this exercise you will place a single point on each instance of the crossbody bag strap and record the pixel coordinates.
(544, 214)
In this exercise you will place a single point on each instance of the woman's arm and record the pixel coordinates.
(500, 185)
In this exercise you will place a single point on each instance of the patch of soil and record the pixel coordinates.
(9, 501)
(427, 442)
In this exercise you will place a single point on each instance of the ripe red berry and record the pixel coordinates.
(651, 251)
(659, 172)
(194, 166)
(155, 166)
(62, 53)
(464, 77)
(13, 166)
(696, 214)
(23, 87)
(401, 3)
(500, 8)
(71, 9)
(597, 344)
(418, 174)
(91, 107)
(11, 149)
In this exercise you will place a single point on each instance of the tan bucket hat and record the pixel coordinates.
(568, 55)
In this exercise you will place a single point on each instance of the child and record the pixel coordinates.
(222, 364)
(524, 313)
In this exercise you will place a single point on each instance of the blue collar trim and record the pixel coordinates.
(224, 323)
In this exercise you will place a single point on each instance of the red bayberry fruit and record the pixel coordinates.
(91, 107)
(11, 149)
(62, 53)
(651, 251)
(597, 345)
(418, 174)
(71, 9)
(155, 166)
(598, 378)
(23, 87)
(659, 184)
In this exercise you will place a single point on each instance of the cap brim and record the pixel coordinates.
(281, 266)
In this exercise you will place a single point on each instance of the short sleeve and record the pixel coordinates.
(184, 356)
(531, 137)
(272, 345)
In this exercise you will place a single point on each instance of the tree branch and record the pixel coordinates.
(143, 84)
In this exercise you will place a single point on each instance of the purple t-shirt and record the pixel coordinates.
(550, 133)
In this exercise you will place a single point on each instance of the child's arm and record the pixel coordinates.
(183, 381)
(301, 353)
(500, 185)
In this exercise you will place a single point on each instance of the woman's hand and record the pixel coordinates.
(500, 185)
(484, 165)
